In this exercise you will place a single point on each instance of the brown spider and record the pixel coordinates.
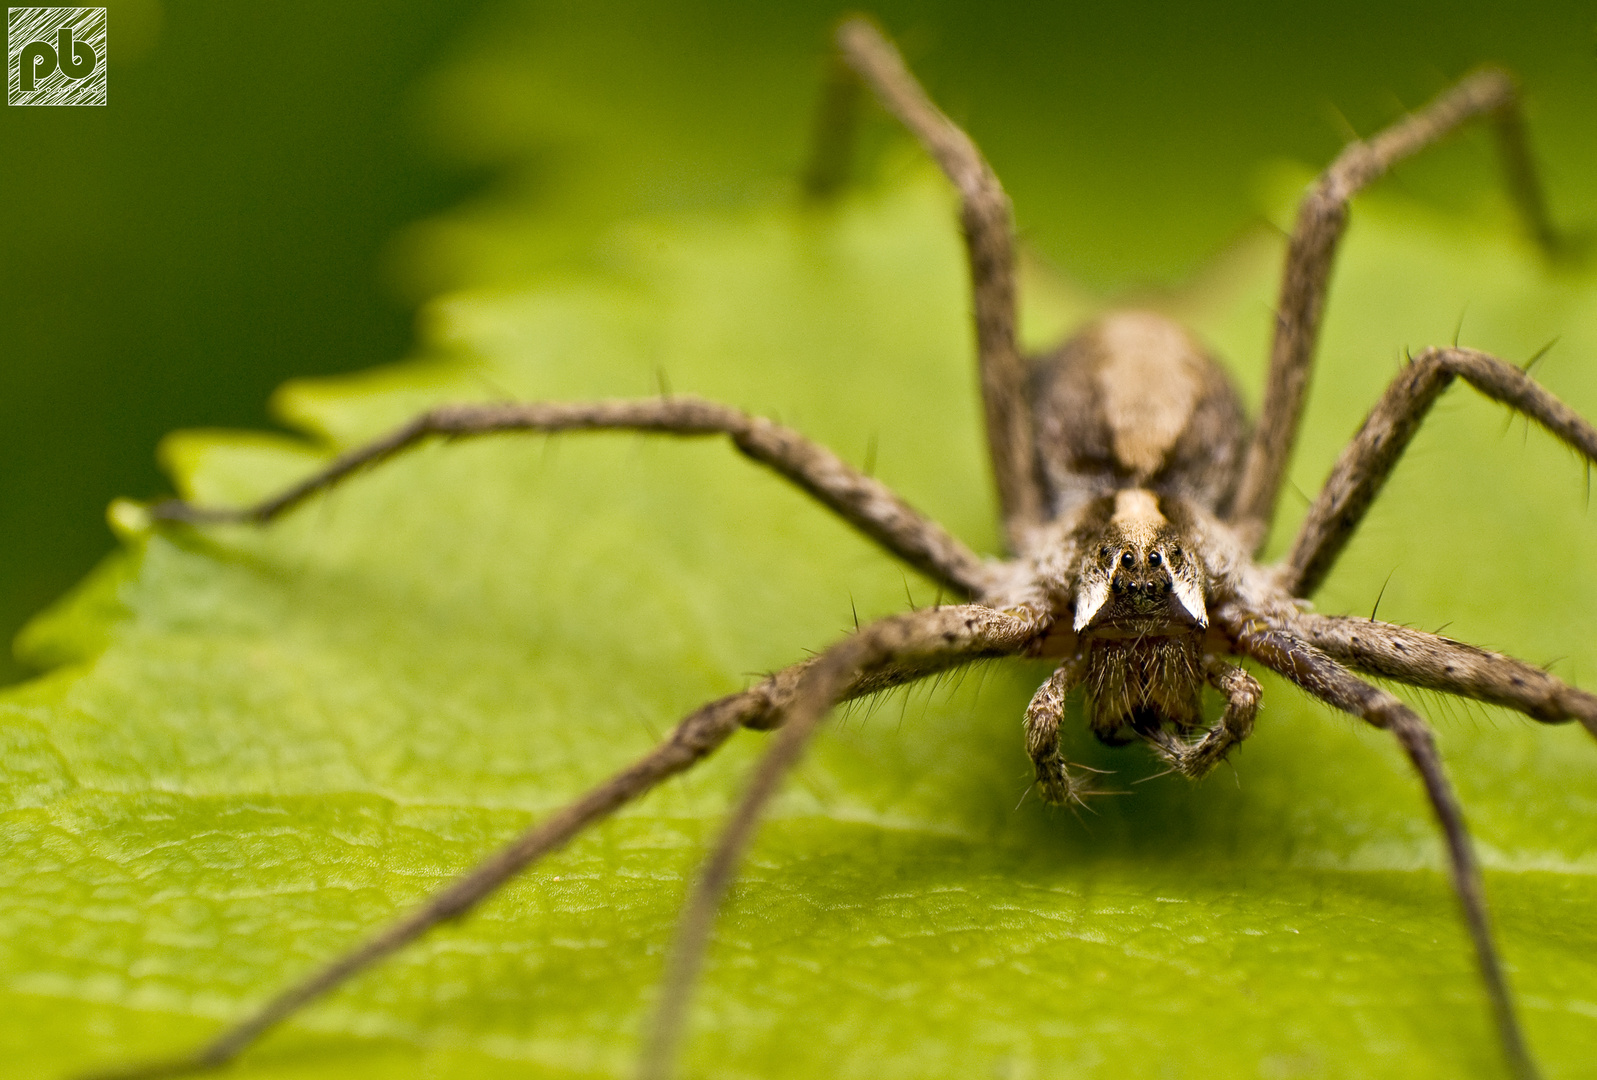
(1134, 499)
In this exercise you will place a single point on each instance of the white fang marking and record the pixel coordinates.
(1089, 600)
(1190, 593)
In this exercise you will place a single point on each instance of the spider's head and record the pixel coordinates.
(1139, 575)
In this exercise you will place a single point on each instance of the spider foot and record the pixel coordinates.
(1194, 759)
(1059, 786)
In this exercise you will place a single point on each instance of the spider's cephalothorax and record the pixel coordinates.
(1135, 500)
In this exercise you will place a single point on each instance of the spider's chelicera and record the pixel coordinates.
(1135, 497)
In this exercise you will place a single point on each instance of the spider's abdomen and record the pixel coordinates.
(1134, 401)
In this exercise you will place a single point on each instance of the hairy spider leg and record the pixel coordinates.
(989, 228)
(1324, 678)
(863, 501)
(933, 636)
(1242, 695)
(1433, 662)
(1368, 460)
(1322, 219)
(1055, 782)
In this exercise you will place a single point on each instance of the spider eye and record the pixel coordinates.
(1103, 553)
(1127, 561)
(1154, 559)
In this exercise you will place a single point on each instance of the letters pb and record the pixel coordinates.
(75, 58)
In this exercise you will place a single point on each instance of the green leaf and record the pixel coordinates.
(260, 745)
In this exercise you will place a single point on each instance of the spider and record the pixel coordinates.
(1135, 499)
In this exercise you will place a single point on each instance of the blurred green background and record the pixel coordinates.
(246, 208)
